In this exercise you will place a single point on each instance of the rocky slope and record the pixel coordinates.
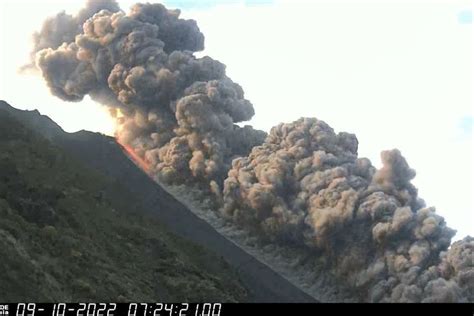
(104, 225)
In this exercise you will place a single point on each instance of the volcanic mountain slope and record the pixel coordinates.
(67, 233)
(79, 221)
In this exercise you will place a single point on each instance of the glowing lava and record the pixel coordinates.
(142, 163)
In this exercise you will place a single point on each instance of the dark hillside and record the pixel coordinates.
(123, 184)
(67, 233)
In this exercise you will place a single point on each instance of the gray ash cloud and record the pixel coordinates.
(177, 111)
(302, 184)
(305, 185)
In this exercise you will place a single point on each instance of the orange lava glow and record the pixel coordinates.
(145, 166)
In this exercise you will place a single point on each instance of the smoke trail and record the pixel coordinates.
(304, 185)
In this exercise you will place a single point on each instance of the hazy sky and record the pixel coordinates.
(398, 74)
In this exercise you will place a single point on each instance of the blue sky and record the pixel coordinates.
(466, 124)
(207, 4)
(465, 16)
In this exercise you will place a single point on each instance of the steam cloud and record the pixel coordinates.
(302, 184)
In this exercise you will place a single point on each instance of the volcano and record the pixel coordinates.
(103, 155)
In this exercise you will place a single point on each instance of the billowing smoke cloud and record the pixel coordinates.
(305, 185)
(301, 185)
(64, 27)
(177, 111)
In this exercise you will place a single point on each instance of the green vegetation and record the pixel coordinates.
(70, 234)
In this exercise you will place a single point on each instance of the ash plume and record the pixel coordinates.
(177, 111)
(306, 186)
(64, 27)
(302, 184)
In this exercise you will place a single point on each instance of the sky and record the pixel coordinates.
(398, 74)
